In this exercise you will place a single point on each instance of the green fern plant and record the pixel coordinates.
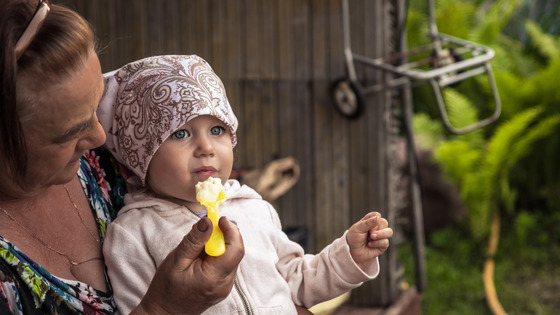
(525, 74)
(481, 169)
(546, 45)
(510, 167)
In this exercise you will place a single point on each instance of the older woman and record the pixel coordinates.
(57, 194)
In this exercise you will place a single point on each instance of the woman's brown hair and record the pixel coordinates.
(60, 47)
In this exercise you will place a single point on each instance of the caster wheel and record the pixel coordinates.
(348, 98)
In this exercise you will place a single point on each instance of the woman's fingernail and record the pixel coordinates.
(202, 225)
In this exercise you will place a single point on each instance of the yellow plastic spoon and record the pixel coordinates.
(210, 193)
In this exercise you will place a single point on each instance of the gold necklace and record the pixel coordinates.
(70, 260)
(79, 215)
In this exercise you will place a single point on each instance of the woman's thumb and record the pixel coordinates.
(192, 244)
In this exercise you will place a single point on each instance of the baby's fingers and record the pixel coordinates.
(366, 224)
(358, 233)
(383, 233)
(381, 245)
(383, 223)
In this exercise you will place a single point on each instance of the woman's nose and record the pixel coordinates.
(94, 138)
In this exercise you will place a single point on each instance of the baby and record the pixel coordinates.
(173, 127)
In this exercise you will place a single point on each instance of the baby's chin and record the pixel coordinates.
(191, 201)
(189, 197)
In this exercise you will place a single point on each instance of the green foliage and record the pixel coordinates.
(525, 222)
(481, 168)
(482, 172)
(428, 133)
(530, 231)
(455, 17)
(454, 284)
(480, 23)
(546, 45)
(481, 163)
(458, 158)
(526, 280)
(542, 87)
(510, 166)
(491, 18)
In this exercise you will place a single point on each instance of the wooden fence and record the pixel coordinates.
(277, 59)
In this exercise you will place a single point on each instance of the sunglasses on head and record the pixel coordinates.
(33, 27)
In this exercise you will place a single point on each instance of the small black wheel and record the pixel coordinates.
(348, 98)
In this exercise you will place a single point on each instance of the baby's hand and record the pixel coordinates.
(368, 238)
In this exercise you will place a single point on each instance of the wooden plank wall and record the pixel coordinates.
(277, 59)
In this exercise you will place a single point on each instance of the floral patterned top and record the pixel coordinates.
(27, 288)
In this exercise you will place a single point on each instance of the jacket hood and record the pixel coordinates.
(234, 190)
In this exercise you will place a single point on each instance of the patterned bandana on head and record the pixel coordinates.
(152, 98)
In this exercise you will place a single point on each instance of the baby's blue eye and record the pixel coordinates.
(180, 134)
(217, 130)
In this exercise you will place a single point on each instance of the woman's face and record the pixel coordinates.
(199, 149)
(62, 126)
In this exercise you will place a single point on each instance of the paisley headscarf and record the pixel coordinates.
(146, 101)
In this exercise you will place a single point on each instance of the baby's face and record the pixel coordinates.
(199, 149)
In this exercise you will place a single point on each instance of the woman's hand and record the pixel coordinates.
(188, 281)
(303, 311)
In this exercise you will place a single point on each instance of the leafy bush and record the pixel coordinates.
(490, 166)
(509, 168)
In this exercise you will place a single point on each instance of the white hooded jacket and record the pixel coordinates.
(274, 274)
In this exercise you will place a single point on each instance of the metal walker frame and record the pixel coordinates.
(451, 61)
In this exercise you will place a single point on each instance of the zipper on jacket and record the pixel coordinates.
(194, 213)
(243, 297)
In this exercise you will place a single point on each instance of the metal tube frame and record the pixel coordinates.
(438, 77)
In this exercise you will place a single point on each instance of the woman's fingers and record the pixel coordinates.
(192, 244)
(235, 250)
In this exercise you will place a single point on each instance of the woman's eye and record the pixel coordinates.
(180, 134)
(217, 130)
